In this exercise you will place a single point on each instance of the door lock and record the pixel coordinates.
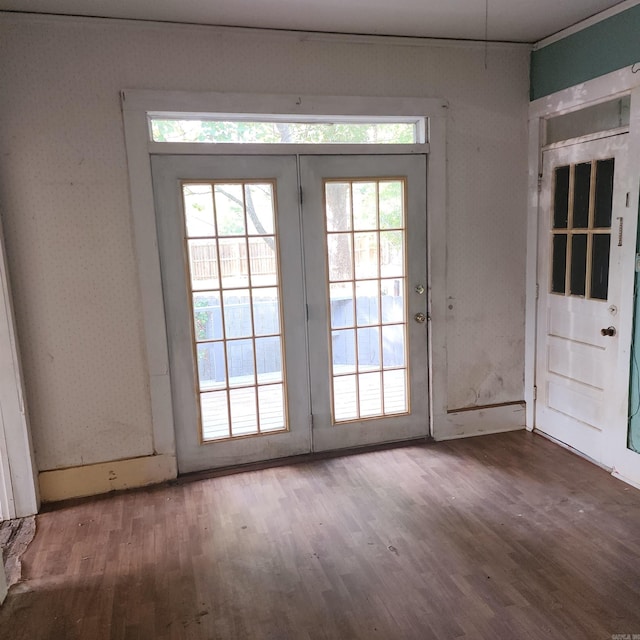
(420, 317)
(609, 331)
(419, 289)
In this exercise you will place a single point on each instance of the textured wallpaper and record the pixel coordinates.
(64, 202)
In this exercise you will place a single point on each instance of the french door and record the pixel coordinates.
(365, 247)
(294, 323)
(579, 278)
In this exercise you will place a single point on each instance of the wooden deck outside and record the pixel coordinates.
(505, 537)
(215, 423)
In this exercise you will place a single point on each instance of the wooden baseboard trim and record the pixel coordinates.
(479, 421)
(518, 403)
(94, 479)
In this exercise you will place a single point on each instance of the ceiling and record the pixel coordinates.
(508, 20)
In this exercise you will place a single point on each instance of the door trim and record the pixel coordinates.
(19, 494)
(136, 105)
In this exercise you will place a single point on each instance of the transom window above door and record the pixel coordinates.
(581, 229)
(341, 130)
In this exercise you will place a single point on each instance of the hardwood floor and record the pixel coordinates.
(499, 537)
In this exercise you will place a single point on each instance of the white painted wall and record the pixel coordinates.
(64, 202)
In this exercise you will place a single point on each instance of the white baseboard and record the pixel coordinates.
(90, 480)
(480, 421)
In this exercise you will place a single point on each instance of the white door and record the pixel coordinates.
(231, 262)
(366, 266)
(248, 337)
(582, 202)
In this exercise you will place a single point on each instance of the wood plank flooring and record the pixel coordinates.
(500, 537)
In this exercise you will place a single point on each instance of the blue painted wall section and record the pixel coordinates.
(604, 47)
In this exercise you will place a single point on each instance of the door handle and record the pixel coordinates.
(420, 317)
(609, 331)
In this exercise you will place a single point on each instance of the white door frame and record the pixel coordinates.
(618, 83)
(18, 476)
(137, 104)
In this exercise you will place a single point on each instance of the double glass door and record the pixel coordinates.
(295, 302)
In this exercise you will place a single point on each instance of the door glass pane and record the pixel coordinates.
(203, 264)
(366, 255)
(259, 202)
(262, 261)
(393, 345)
(198, 210)
(341, 299)
(338, 206)
(391, 253)
(365, 205)
(604, 193)
(578, 264)
(370, 394)
(395, 391)
(600, 266)
(340, 256)
(271, 407)
(561, 198)
(343, 349)
(368, 348)
(233, 264)
(581, 189)
(244, 411)
(559, 266)
(214, 410)
(212, 365)
(368, 301)
(207, 315)
(237, 313)
(369, 363)
(230, 215)
(591, 187)
(269, 359)
(236, 307)
(391, 204)
(266, 311)
(240, 363)
(345, 398)
(392, 300)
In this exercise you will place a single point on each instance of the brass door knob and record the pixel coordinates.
(420, 317)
